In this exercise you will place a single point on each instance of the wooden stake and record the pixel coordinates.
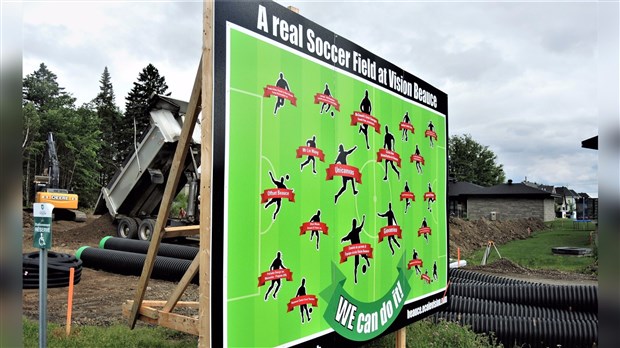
(401, 338)
(458, 257)
(204, 309)
(70, 301)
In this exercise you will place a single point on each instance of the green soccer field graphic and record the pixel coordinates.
(268, 131)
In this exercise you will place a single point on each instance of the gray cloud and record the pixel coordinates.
(521, 77)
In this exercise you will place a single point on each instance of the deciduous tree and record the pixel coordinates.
(472, 162)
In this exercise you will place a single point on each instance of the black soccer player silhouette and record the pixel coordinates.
(365, 107)
(418, 164)
(277, 201)
(275, 264)
(301, 291)
(388, 144)
(282, 83)
(431, 127)
(354, 238)
(407, 200)
(329, 93)
(389, 215)
(424, 224)
(415, 257)
(405, 130)
(310, 143)
(316, 218)
(430, 199)
(342, 159)
(435, 270)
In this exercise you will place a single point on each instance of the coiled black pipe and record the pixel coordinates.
(568, 297)
(485, 278)
(460, 304)
(535, 332)
(126, 263)
(58, 268)
(142, 246)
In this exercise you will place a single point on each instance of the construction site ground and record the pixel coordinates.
(99, 296)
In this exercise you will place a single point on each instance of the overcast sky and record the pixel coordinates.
(521, 78)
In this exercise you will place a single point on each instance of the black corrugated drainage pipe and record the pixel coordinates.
(127, 263)
(58, 266)
(535, 332)
(460, 304)
(580, 298)
(485, 278)
(142, 246)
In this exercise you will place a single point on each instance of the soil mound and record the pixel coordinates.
(473, 235)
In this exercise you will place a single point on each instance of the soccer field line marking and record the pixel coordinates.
(244, 297)
(374, 200)
(251, 94)
(260, 206)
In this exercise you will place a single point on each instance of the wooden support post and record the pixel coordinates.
(183, 283)
(204, 309)
(168, 196)
(401, 338)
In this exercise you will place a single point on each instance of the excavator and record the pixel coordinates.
(47, 187)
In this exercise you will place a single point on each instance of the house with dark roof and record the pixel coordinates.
(566, 201)
(503, 202)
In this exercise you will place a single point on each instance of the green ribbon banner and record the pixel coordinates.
(362, 321)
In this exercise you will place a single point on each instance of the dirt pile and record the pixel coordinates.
(473, 235)
(68, 236)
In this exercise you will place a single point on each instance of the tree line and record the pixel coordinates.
(94, 139)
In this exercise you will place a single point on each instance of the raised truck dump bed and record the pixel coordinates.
(133, 195)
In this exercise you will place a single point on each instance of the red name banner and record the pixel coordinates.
(407, 195)
(277, 193)
(426, 278)
(354, 250)
(424, 230)
(391, 230)
(417, 158)
(270, 90)
(343, 170)
(360, 117)
(414, 262)
(389, 155)
(310, 151)
(429, 195)
(430, 133)
(301, 300)
(313, 226)
(406, 125)
(275, 274)
(322, 98)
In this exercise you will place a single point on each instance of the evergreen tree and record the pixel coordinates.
(110, 119)
(136, 120)
(42, 91)
(472, 162)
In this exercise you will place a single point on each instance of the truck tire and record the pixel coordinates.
(127, 228)
(145, 230)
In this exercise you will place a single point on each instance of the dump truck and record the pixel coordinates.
(47, 187)
(135, 192)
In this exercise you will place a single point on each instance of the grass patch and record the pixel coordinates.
(425, 333)
(535, 252)
(109, 336)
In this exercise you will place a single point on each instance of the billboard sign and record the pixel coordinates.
(329, 192)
